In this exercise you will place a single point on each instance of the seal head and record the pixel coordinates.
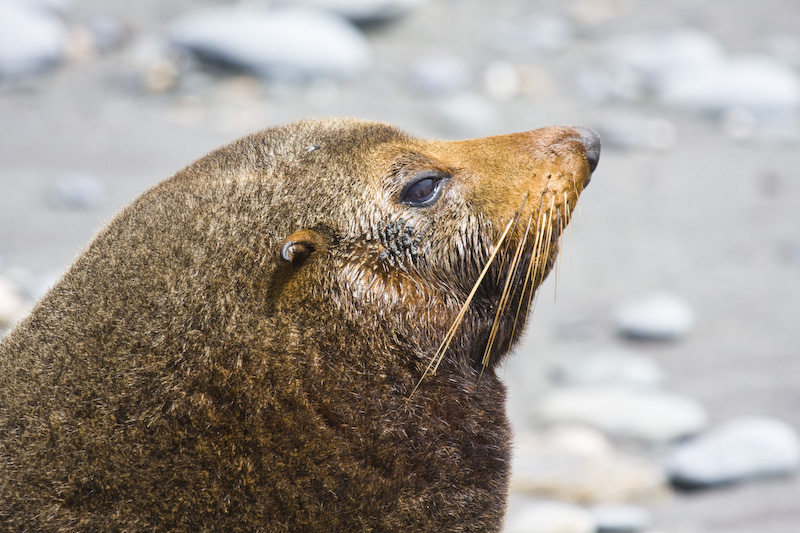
(258, 342)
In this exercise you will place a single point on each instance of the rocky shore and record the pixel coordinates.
(657, 387)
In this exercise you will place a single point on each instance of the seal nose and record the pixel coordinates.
(591, 142)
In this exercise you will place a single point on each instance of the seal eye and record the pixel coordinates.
(423, 192)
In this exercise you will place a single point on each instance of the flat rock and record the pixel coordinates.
(12, 304)
(439, 75)
(609, 367)
(621, 518)
(657, 316)
(650, 416)
(31, 39)
(76, 192)
(363, 11)
(759, 83)
(551, 517)
(690, 69)
(578, 464)
(745, 448)
(290, 43)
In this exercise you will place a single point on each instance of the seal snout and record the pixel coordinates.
(591, 142)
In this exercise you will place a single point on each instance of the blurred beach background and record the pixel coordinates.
(658, 385)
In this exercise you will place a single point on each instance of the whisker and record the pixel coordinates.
(569, 227)
(508, 243)
(504, 298)
(578, 205)
(439, 355)
(527, 280)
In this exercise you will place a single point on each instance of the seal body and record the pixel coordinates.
(238, 349)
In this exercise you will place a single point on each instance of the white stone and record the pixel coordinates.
(758, 83)
(630, 413)
(747, 447)
(439, 75)
(31, 39)
(286, 43)
(363, 11)
(502, 80)
(76, 192)
(12, 304)
(551, 517)
(690, 69)
(542, 34)
(609, 367)
(578, 464)
(636, 132)
(470, 115)
(655, 316)
(620, 518)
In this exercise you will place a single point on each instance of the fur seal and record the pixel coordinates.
(297, 332)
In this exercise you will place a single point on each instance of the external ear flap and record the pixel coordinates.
(300, 245)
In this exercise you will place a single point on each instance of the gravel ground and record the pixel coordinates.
(709, 215)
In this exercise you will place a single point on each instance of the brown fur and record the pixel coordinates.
(183, 376)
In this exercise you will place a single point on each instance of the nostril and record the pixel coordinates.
(591, 142)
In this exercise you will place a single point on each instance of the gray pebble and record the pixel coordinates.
(439, 75)
(76, 192)
(609, 367)
(470, 115)
(649, 416)
(628, 132)
(691, 70)
(550, 517)
(620, 518)
(31, 39)
(286, 44)
(744, 448)
(657, 316)
(576, 463)
(13, 305)
(542, 34)
(363, 11)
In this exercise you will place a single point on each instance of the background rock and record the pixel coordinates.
(363, 11)
(638, 414)
(655, 316)
(551, 517)
(279, 43)
(609, 367)
(31, 40)
(579, 465)
(741, 449)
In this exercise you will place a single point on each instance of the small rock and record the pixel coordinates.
(76, 192)
(281, 43)
(31, 40)
(636, 132)
(551, 517)
(745, 448)
(543, 34)
(470, 114)
(690, 69)
(762, 84)
(363, 11)
(658, 316)
(621, 518)
(502, 80)
(609, 367)
(578, 464)
(651, 416)
(108, 32)
(12, 304)
(440, 75)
